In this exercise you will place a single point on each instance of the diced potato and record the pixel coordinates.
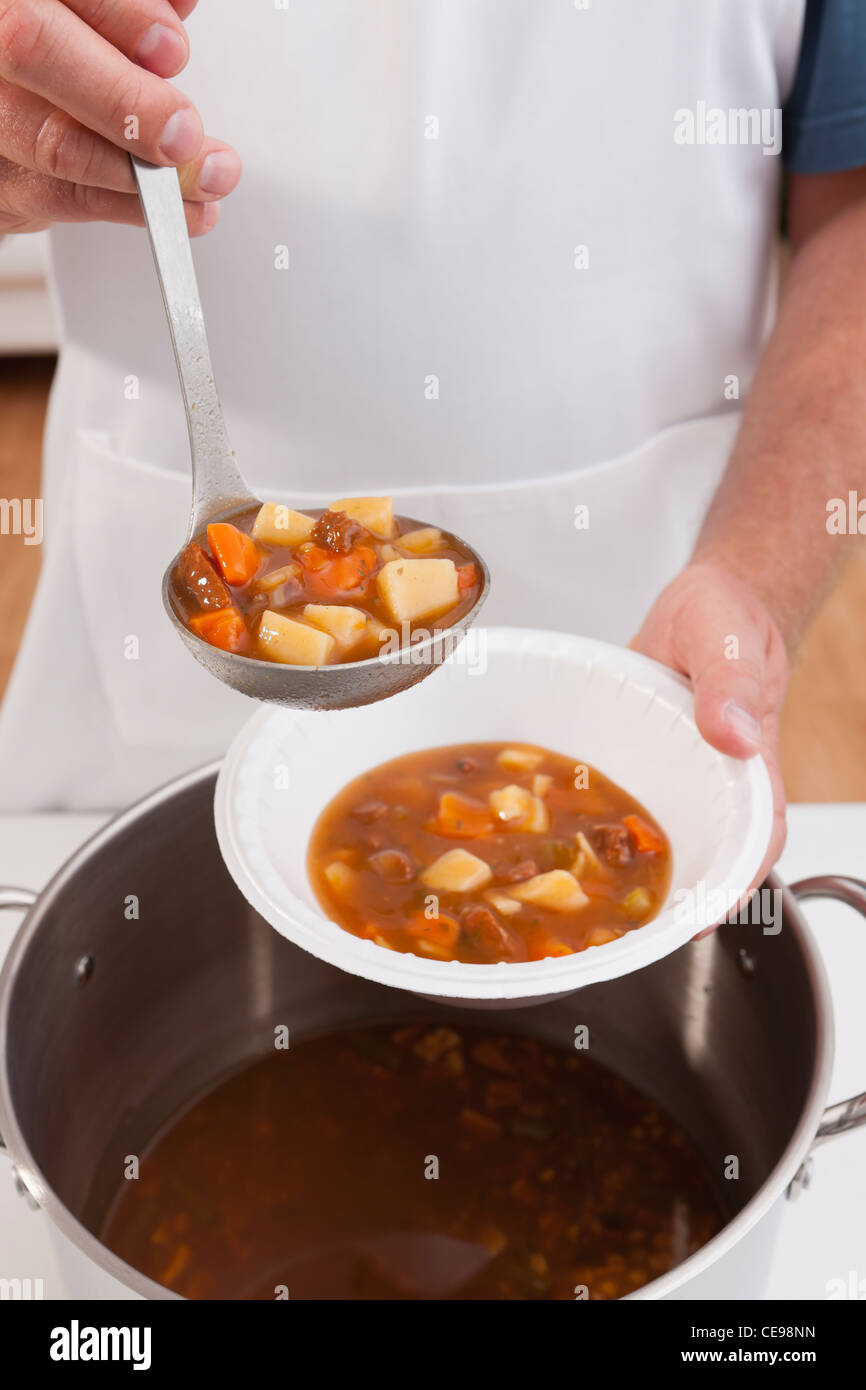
(519, 809)
(378, 633)
(519, 759)
(416, 589)
(340, 878)
(501, 901)
(456, 871)
(376, 513)
(388, 552)
(541, 784)
(279, 525)
(424, 541)
(557, 890)
(346, 624)
(295, 644)
(586, 860)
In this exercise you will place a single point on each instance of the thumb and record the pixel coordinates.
(727, 669)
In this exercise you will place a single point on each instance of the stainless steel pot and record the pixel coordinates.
(110, 1021)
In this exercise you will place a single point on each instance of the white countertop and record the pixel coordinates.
(823, 1235)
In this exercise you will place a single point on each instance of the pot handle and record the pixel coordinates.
(17, 899)
(846, 1114)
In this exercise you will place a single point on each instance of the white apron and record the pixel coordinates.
(511, 292)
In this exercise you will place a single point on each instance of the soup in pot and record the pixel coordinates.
(416, 1161)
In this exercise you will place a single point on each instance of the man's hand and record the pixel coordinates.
(709, 625)
(82, 85)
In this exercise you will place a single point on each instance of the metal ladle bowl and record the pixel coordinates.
(219, 492)
(328, 687)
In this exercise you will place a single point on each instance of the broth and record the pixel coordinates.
(310, 1174)
(488, 852)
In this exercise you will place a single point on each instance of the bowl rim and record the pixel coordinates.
(502, 980)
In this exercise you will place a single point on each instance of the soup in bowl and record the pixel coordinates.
(598, 706)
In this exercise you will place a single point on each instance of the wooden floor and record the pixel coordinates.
(825, 716)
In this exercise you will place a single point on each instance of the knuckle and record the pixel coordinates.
(21, 36)
(99, 12)
(54, 146)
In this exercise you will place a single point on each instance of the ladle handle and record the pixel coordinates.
(217, 485)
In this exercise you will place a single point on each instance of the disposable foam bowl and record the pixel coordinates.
(621, 713)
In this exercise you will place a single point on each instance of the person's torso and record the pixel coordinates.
(510, 289)
(471, 243)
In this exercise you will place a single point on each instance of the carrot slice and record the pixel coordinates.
(467, 576)
(460, 818)
(350, 571)
(222, 627)
(442, 931)
(236, 553)
(555, 947)
(646, 839)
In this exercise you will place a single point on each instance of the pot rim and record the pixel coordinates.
(25, 1165)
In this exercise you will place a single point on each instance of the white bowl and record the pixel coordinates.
(625, 715)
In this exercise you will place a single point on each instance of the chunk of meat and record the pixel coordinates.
(392, 865)
(615, 843)
(198, 576)
(337, 531)
(519, 873)
(489, 936)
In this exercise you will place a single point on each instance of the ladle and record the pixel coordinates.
(219, 492)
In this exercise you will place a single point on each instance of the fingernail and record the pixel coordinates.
(211, 215)
(181, 139)
(162, 50)
(219, 172)
(742, 723)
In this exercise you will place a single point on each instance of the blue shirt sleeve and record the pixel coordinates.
(824, 127)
